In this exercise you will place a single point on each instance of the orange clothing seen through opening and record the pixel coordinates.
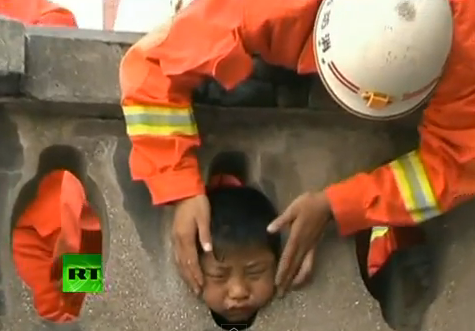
(59, 219)
(215, 38)
(37, 12)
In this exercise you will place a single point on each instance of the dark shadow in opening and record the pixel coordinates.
(68, 158)
(405, 286)
(230, 162)
(232, 326)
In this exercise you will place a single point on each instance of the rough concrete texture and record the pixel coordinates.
(291, 151)
(12, 36)
(294, 153)
(144, 290)
(70, 65)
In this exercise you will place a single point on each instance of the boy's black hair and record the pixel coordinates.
(239, 217)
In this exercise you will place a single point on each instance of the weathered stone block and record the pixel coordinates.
(71, 65)
(12, 55)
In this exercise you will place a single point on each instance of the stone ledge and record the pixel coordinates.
(209, 116)
(71, 65)
(76, 72)
(61, 64)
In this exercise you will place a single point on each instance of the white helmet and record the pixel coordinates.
(381, 59)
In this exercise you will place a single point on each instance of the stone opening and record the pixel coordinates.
(237, 164)
(405, 285)
(226, 325)
(60, 210)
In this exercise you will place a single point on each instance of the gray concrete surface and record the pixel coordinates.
(70, 65)
(295, 149)
(12, 55)
(144, 291)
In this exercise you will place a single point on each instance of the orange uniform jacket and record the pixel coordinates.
(37, 12)
(215, 38)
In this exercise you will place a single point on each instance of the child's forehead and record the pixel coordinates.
(242, 255)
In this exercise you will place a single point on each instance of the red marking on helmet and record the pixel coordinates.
(410, 95)
(342, 79)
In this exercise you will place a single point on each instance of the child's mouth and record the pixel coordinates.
(239, 314)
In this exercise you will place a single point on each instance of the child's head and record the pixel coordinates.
(239, 274)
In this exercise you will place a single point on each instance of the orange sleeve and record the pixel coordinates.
(157, 77)
(281, 32)
(441, 173)
(54, 15)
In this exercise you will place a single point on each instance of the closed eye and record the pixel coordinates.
(257, 268)
(256, 272)
(216, 275)
(219, 276)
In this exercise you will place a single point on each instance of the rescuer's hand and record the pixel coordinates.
(305, 271)
(307, 217)
(192, 216)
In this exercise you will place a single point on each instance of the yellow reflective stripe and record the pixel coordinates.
(415, 188)
(159, 121)
(378, 231)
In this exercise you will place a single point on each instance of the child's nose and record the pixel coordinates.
(238, 290)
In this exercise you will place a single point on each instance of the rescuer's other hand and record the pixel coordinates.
(305, 271)
(307, 217)
(192, 216)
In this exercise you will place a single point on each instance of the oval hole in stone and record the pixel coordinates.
(405, 285)
(60, 202)
(228, 326)
(236, 163)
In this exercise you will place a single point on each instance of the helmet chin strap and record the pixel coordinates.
(376, 100)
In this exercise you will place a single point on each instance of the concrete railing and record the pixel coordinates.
(60, 110)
